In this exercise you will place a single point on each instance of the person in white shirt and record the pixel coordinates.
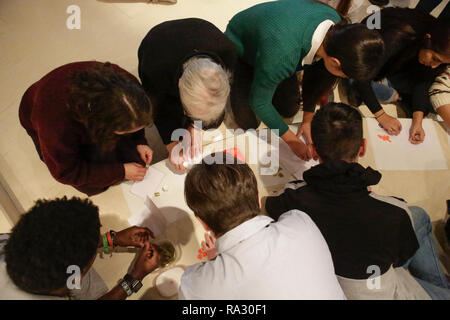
(253, 256)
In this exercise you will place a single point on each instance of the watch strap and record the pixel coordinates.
(124, 284)
(134, 284)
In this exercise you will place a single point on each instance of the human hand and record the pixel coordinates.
(146, 262)
(390, 125)
(305, 130)
(145, 152)
(176, 159)
(133, 236)
(416, 133)
(196, 141)
(134, 171)
(209, 246)
(300, 149)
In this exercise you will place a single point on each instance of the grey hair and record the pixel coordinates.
(204, 89)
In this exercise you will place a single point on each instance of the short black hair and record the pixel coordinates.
(337, 132)
(51, 236)
(359, 49)
(224, 194)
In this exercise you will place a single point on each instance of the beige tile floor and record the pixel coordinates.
(34, 40)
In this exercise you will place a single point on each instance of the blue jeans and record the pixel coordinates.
(384, 91)
(424, 265)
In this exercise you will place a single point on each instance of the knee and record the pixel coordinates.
(420, 217)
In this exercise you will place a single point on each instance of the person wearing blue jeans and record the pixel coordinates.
(424, 266)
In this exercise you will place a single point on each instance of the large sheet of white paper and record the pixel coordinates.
(148, 215)
(397, 153)
(147, 187)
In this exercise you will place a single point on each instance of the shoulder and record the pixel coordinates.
(198, 279)
(395, 207)
(296, 219)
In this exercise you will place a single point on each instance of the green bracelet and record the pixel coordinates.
(105, 244)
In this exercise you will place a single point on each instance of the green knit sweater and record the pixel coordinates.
(274, 37)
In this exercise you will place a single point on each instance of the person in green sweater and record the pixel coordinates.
(276, 39)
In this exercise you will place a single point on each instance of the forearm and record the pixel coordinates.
(289, 137)
(307, 116)
(418, 117)
(365, 90)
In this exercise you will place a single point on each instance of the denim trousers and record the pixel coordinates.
(424, 265)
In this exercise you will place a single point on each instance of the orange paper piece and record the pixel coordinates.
(235, 152)
(384, 138)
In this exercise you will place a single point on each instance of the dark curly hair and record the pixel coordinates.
(51, 236)
(107, 100)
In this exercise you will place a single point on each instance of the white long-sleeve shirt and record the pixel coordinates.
(262, 259)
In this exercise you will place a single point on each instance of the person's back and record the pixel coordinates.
(257, 258)
(262, 259)
(369, 236)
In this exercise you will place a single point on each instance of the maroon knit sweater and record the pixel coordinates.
(64, 144)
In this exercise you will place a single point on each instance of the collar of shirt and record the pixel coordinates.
(317, 39)
(241, 232)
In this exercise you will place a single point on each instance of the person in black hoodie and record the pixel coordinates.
(365, 232)
(185, 67)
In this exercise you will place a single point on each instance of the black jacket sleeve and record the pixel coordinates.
(365, 91)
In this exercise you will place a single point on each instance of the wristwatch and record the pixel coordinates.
(134, 284)
(125, 287)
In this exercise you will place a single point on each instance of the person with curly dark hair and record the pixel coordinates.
(58, 236)
(87, 122)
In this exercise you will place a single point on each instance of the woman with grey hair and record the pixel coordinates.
(185, 67)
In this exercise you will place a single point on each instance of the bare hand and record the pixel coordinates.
(305, 130)
(196, 141)
(145, 152)
(176, 159)
(133, 236)
(134, 171)
(147, 261)
(390, 124)
(416, 133)
(300, 149)
(210, 246)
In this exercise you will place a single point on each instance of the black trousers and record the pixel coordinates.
(286, 98)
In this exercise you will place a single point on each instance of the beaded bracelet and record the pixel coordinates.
(105, 244)
(380, 115)
(110, 242)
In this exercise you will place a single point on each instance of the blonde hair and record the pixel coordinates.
(204, 89)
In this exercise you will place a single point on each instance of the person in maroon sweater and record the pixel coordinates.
(87, 122)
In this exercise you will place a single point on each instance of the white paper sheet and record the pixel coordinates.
(151, 182)
(397, 153)
(149, 216)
